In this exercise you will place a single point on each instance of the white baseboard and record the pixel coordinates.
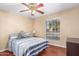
(3, 50)
(57, 45)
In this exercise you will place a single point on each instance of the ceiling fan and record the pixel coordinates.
(33, 8)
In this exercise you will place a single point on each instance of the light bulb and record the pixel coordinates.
(33, 11)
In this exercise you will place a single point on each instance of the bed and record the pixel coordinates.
(27, 46)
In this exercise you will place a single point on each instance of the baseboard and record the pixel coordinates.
(57, 45)
(3, 50)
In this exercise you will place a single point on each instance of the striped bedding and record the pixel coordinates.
(27, 46)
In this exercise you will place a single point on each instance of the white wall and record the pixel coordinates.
(69, 25)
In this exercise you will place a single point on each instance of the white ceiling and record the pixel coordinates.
(48, 8)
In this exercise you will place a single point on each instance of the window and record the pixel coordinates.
(53, 29)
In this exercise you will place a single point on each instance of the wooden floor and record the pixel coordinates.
(50, 51)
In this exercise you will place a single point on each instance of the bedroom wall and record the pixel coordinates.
(11, 23)
(69, 26)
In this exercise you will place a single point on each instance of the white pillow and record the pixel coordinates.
(13, 36)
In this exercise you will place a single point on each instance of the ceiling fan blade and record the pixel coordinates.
(23, 10)
(40, 5)
(40, 11)
(26, 5)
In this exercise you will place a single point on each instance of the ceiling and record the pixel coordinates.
(48, 8)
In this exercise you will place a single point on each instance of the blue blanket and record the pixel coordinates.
(27, 46)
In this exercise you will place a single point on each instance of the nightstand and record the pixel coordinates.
(73, 47)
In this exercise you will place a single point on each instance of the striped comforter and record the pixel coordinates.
(27, 46)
